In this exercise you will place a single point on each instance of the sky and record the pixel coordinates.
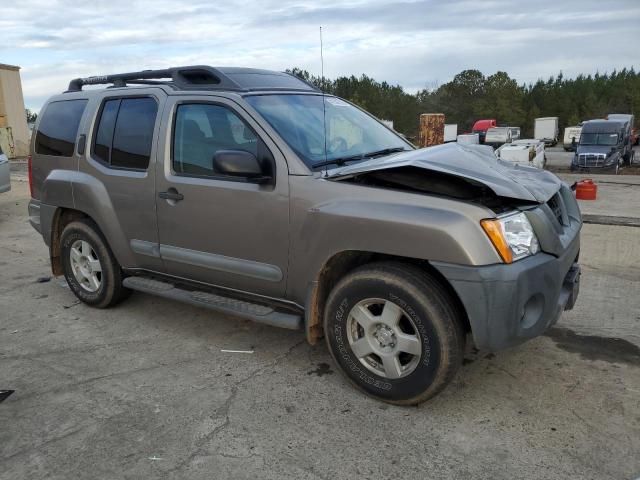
(416, 44)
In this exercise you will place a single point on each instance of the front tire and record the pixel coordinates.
(90, 268)
(395, 332)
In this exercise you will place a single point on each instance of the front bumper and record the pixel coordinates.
(593, 169)
(508, 304)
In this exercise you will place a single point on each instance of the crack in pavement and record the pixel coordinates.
(224, 409)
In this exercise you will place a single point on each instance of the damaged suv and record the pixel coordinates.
(252, 193)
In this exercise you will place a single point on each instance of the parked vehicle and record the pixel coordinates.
(628, 122)
(515, 133)
(601, 148)
(481, 127)
(523, 152)
(252, 193)
(497, 136)
(450, 132)
(5, 173)
(571, 138)
(468, 138)
(546, 129)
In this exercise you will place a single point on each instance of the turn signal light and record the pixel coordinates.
(494, 231)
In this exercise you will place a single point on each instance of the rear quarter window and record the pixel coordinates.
(58, 128)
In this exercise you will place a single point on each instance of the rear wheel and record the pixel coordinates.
(394, 332)
(90, 268)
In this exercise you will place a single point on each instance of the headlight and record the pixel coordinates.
(512, 236)
(612, 159)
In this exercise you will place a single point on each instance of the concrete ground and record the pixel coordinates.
(144, 391)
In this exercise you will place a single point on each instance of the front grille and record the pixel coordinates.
(591, 159)
(557, 207)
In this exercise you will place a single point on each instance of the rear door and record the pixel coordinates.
(223, 231)
(120, 153)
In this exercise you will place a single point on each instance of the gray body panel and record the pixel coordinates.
(272, 240)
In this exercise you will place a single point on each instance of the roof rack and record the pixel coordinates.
(196, 77)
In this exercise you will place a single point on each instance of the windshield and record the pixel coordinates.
(599, 139)
(351, 133)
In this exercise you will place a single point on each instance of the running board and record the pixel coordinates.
(253, 311)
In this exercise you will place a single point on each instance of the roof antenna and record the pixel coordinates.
(324, 108)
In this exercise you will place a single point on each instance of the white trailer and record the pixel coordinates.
(450, 132)
(546, 130)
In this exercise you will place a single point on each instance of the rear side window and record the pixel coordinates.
(58, 128)
(125, 132)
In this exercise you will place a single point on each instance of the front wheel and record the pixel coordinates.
(394, 332)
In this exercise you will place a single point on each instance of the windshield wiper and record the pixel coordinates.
(361, 156)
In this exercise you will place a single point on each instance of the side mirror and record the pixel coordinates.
(238, 163)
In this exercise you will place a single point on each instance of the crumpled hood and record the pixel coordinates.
(474, 162)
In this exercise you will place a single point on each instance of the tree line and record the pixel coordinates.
(471, 96)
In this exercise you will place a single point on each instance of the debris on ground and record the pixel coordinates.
(4, 394)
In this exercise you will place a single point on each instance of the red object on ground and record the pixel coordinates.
(586, 190)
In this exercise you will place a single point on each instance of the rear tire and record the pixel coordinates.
(90, 268)
(395, 332)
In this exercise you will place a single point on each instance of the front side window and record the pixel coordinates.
(125, 132)
(203, 129)
(58, 128)
(322, 130)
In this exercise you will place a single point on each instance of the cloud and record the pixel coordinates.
(411, 43)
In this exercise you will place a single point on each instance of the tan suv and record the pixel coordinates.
(251, 192)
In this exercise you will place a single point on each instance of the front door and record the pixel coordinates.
(213, 228)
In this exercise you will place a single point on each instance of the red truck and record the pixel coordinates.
(481, 127)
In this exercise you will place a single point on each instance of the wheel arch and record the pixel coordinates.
(61, 218)
(344, 262)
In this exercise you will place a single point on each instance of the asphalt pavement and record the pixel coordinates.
(146, 390)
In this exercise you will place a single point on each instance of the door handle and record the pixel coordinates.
(171, 194)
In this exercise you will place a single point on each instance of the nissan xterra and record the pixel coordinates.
(251, 192)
